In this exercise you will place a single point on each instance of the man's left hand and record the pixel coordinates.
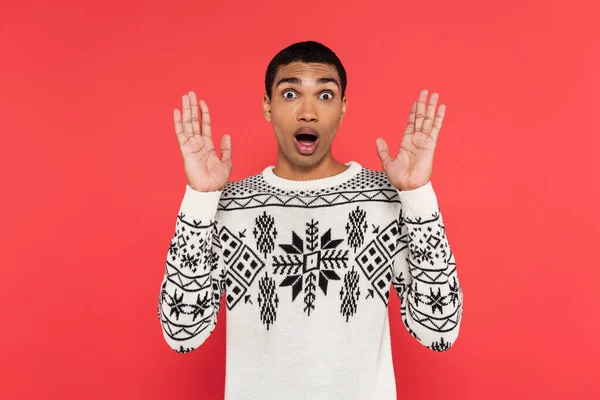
(412, 166)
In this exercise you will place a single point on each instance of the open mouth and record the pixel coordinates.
(306, 138)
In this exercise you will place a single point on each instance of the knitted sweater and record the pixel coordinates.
(306, 269)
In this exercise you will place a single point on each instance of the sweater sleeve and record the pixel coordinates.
(193, 282)
(424, 272)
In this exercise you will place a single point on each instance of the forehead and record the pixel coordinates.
(306, 71)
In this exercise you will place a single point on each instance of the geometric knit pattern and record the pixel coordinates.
(265, 233)
(310, 262)
(253, 192)
(356, 227)
(296, 266)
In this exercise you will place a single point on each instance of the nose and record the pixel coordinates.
(307, 112)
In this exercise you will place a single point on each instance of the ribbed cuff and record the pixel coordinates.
(201, 206)
(419, 202)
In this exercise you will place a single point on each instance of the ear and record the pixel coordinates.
(344, 107)
(267, 107)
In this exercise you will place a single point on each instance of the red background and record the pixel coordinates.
(93, 179)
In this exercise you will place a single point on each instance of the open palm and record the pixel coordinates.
(412, 166)
(205, 171)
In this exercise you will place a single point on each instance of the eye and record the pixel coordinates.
(328, 94)
(286, 92)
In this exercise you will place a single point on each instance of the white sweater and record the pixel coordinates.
(306, 268)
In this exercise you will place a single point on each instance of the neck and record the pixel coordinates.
(326, 167)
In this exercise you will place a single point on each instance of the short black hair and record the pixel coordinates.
(308, 52)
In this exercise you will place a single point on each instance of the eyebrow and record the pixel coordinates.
(298, 81)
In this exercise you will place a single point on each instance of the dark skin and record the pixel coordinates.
(410, 169)
(308, 103)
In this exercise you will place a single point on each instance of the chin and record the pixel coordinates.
(305, 161)
(308, 163)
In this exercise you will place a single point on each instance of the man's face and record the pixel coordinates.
(309, 100)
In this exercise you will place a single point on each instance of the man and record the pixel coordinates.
(306, 251)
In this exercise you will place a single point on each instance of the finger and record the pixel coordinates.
(437, 124)
(226, 149)
(179, 134)
(383, 151)
(195, 123)
(187, 116)
(420, 110)
(410, 125)
(206, 131)
(428, 121)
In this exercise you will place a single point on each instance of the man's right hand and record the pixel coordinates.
(204, 170)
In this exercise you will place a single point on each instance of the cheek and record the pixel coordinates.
(283, 116)
(285, 108)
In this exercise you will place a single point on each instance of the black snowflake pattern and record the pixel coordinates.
(195, 251)
(309, 260)
(178, 306)
(431, 244)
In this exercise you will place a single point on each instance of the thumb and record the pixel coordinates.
(226, 149)
(383, 151)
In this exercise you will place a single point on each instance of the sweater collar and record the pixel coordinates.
(312, 184)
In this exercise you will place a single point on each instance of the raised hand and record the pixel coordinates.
(204, 170)
(412, 166)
